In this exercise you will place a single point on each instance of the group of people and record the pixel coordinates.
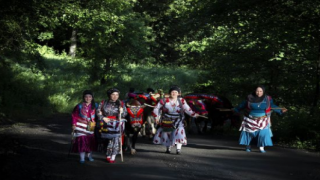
(105, 121)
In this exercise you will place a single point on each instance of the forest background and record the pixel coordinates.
(50, 51)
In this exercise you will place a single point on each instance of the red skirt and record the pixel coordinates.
(84, 144)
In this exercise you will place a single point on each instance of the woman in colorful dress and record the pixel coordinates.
(169, 112)
(83, 122)
(256, 121)
(110, 127)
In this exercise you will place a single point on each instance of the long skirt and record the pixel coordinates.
(263, 137)
(84, 144)
(111, 138)
(113, 147)
(177, 136)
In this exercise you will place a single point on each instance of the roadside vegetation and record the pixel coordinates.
(50, 51)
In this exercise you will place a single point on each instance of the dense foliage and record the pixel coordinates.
(50, 51)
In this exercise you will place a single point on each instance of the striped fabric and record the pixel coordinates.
(254, 124)
(113, 129)
(81, 130)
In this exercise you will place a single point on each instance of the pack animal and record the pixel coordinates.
(148, 128)
(217, 109)
(134, 124)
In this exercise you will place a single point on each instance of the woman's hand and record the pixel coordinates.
(157, 121)
(121, 110)
(284, 110)
(73, 127)
(196, 115)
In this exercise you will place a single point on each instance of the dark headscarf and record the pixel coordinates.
(253, 98)
(91, 93)
(175, 88)
(150, 90)
(112, 90)
(87, 92)
(131, 90)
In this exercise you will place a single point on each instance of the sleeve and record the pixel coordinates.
(275, 106)
(153, 100)
(142, 97)
(186, 108)
(125, 112)
(95, 110)
(131, 95)
(241, 106)
(99, 112)
(75, 115)
(156, 110)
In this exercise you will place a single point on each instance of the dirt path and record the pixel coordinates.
(38, 150)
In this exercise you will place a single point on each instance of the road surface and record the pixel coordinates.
(38, 149)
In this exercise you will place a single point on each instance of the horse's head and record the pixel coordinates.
(198, 106)
(133, 102)
(135, 111)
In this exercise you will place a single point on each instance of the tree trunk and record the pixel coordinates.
(73, 44)
(317, 89)
(107, 71)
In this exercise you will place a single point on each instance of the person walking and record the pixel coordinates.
(83, 124)
(256, 121)
(169, 112)
(111, 128)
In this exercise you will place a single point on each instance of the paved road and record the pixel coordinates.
(39, 151)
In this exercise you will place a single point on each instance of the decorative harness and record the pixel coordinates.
(136, 116)
(210, 97)
(198, 107)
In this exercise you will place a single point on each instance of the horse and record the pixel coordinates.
(199, 107)
(216, 110)
(134, 124)
(148, 128)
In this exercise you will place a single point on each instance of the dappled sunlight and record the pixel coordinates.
(51, 51)
(48, 59)
(159, 77)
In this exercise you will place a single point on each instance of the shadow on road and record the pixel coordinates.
(199, 146)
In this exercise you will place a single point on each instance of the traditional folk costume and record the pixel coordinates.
(110, 132)
(83, 118)
(171, 131)
(256, 122)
